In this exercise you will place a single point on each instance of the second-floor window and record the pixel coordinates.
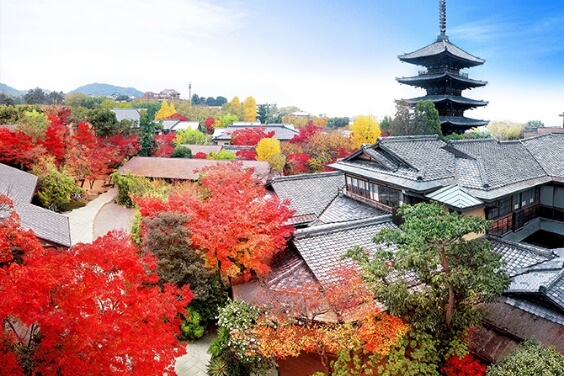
(385, 195)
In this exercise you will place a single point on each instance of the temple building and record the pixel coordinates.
(444, 81)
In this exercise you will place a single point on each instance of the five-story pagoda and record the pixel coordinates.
(443, 80)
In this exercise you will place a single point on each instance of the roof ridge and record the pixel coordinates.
(528, 247)
(408, 138)
(306, 176)
(341, 226)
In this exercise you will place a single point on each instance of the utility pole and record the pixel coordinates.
(562, 115)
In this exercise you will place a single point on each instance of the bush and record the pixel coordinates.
(466, 366)
(54, 187)
(191, 327)
(530, 359)
(181, 152)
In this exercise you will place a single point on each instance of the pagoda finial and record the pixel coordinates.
(442, 19)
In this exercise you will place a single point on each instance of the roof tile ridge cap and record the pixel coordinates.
(421, 137)
(307, 176)
(340, 226)
(539, 251)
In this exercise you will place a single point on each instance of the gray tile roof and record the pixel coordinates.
(127, 114)
(442, 47)
(323, 246)
(548, 151)
(47, 225)
(439, 77)
(468, 102)
(344, 209)
(537, 278)
(282, 132)
(309, 193)
(486, 169)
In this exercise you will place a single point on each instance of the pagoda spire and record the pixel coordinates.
(442, 20)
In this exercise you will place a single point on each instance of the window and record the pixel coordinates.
(499, 208)
(385, 195)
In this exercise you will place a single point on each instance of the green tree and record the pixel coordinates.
(529, 359)
(147, 139)
(181, 152)
(104, 122)
(262, 113)
(337, 122)
(34, 123)
(533, 124)
(386, 124)
(454, 270)
(55, 97)
(35, 96)
(222, 154)
(426, 118)
(190, 136)
(506, 130)
(54, 187)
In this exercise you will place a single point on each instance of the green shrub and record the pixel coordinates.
(181, 152)
(191, 327)
(529, 359)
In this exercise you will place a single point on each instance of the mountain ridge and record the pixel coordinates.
(94, 89)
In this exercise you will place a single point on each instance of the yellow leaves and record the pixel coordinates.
(365, 130)
(266, 148)
(250, 109)
(165, 111)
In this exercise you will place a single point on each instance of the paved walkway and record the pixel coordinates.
(195, 362)
(102, 215)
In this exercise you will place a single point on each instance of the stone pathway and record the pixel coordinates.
(194, 363)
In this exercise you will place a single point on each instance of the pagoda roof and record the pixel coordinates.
(442, 50)
(438, 98)
(462, 122)
(424, 80)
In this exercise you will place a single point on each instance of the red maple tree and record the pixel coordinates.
(234, 223)
(17, 148)
(246, 155)
(465, 366)
(250, 136)
(164, 145)
(93, 309)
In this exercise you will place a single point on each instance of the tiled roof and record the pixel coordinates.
(282, 132)
(484, 168)
(548, 150)
(454, 196)
(462, 121)
(182, 168)
(47, 225)
(127, 114)
(309, 193)
(536, 273)
(203, 148)
(448, 98)
(323, 246)
(344, 209)
(442, 47)
(424, 79)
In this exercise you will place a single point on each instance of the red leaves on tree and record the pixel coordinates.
(16, 148)
(56, 138)
(209, 125)
(176, 116)
(234, 223)
(165, 145)
(466, 366)
(246, 155)
(297, 163)
(92, 309)
(306, 133)
(250, 136)
(200, 155)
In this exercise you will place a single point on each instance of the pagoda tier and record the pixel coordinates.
(443, 81)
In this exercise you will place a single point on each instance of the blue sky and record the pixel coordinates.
(333, 57)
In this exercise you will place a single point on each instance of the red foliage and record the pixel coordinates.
(56, 138)
(209, 125)
(200, 155)
(96, 308)
(165, 145)
(467, 366)
(16, 148)
(297, 164)
(306, 133)
(233, 222)
(176, 116)
(122, 147)
(250, 136)
(246, 155)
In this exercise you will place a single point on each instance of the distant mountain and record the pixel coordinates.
(8, 90)
(104, 90)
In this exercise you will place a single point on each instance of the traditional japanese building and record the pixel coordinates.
(444, 81)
